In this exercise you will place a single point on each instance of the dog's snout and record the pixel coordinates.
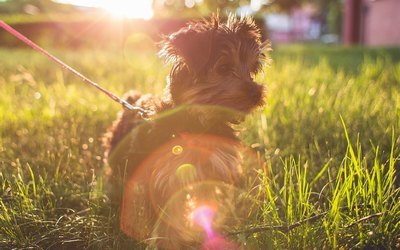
(252, 88)
(253, 91)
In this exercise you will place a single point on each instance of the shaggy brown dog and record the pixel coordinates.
(183, 152)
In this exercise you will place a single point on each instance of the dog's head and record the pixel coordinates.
(214, 63)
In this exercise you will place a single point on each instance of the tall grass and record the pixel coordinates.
(329, 137)
(357, 208)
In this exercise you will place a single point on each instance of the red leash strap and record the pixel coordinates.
(33, 45)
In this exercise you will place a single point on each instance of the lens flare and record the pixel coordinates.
(184, 192)
(186, 172)
(220, 243)
(177, 150)
(204, 216)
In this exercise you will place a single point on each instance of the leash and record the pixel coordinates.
(125, 104)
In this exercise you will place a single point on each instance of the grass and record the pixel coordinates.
(329, 137)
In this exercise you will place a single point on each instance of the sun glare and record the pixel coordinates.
(133, 9)
(129, 8)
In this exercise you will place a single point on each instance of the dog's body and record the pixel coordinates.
(187, 136)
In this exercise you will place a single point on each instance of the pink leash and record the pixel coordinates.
(33, 45)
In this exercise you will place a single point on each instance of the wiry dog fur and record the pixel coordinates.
(210, 87)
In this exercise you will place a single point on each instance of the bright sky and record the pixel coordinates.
(141, 9)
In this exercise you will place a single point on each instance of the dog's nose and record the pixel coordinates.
(253, 91)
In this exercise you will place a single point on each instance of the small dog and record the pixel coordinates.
(183, 152)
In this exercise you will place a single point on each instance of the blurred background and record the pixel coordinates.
(76, 23)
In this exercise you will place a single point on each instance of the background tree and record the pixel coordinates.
(328, 11)
(36, 6)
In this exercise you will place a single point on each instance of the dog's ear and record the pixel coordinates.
(191, 45)
(245, 27)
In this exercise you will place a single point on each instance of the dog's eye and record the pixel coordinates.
(224, 69)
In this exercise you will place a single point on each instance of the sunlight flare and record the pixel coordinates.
(119, 8)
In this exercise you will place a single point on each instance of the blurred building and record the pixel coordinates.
(300, 24)
(372, 22)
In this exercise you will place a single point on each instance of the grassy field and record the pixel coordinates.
(329, 136)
